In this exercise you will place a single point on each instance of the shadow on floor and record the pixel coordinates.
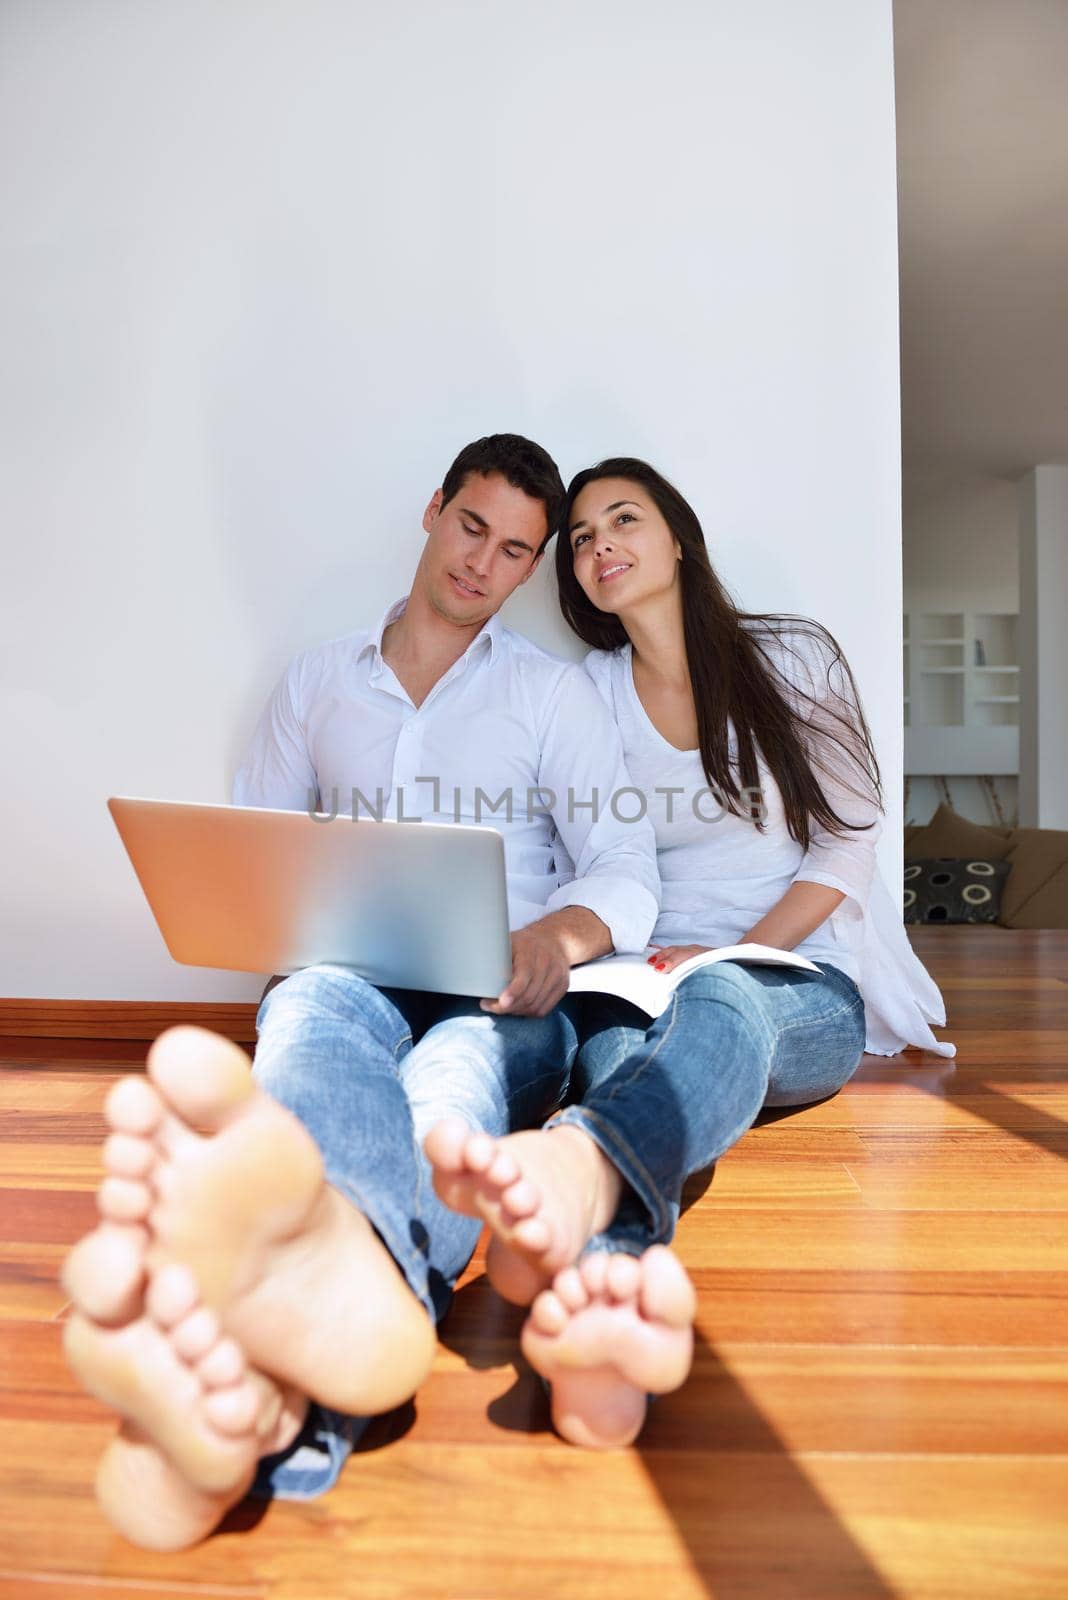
(1042, 1129)
(752, 1522)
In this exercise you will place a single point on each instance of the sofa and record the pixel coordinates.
(1035, 894)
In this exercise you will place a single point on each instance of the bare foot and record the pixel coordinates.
(146, 1498)
(610, 1332)
(544, 1194)
(230, 1184)
(195, 1418)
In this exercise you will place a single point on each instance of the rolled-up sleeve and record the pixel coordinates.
(613, 860)
(840, 860)
(278, 772)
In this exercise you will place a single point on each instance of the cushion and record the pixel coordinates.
(1036, 895)
(949, 889)
(948, 834)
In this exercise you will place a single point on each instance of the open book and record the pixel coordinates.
(633, 979)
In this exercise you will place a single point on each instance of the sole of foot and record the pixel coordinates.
(147, 1500)
(544, 1194)
(609, 1333)
(228, 1183)
(195, 1417)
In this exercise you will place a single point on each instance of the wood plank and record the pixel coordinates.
(46, 1216)
(29, 1281)
(52, 1093)
(56, 1054)
(47, 1472)
(836, 1306)
(53, 1586)
(55, 1165)
(862, 1399)
(976, 1173)
(767, 1183)
(122, 1019)
(872, 1241)
(864, 1106)
(1017, 984)
(955, 1529)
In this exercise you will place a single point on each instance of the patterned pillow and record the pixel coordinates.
(949, 890)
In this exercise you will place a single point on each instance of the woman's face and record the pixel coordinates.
(622, 550)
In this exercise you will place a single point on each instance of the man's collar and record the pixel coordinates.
(374, 640)
(491, 633)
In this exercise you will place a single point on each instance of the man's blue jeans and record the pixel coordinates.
(369, 1072)
(666, 1100)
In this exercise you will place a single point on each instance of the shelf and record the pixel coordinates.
(959, 716)
(940, 627)
(952, 751)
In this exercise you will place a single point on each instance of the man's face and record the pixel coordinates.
(480, 547)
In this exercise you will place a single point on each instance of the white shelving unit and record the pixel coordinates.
(961, 694)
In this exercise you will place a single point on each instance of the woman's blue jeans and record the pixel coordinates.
(369, 1072)
(666, 1100)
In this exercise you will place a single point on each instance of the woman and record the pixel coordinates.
(745, 735)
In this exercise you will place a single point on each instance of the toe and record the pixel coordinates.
(234, 1410)
(571, 1288)
(126, 1156)
(479, 1153)
(666, 1292)
(133, 1106)
(172, 1294)
(124, 1200)
(548, 1314)
(594, 1270)
(223, 1365)
(202, 1076)
(624, 1277)
(503, 1170)
(105, 1274)
(521, 1197)
(196, 1334)
(533, 1234)
(444, 1145)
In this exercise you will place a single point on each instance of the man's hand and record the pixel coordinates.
(540, 969)
(671, 956)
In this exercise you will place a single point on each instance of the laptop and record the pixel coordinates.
(411, 905)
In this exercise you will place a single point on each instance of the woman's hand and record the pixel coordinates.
(671, 956)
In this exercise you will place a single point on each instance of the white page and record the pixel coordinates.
(633, 979)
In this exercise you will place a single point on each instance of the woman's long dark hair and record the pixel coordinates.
(737, 680)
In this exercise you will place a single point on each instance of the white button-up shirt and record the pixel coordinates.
(720, 876)
(510, 738)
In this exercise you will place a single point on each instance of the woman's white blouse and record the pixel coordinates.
(720, 875)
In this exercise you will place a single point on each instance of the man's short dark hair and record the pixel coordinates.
(523, 463)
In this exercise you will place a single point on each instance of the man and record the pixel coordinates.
(268, 1243)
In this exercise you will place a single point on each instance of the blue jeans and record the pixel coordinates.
(665, 1100)
(368, 1072)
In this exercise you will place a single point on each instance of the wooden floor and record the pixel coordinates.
(878, 1407)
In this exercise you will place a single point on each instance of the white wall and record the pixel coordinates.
(1044, 647)
(268, 265)
(961, 548)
